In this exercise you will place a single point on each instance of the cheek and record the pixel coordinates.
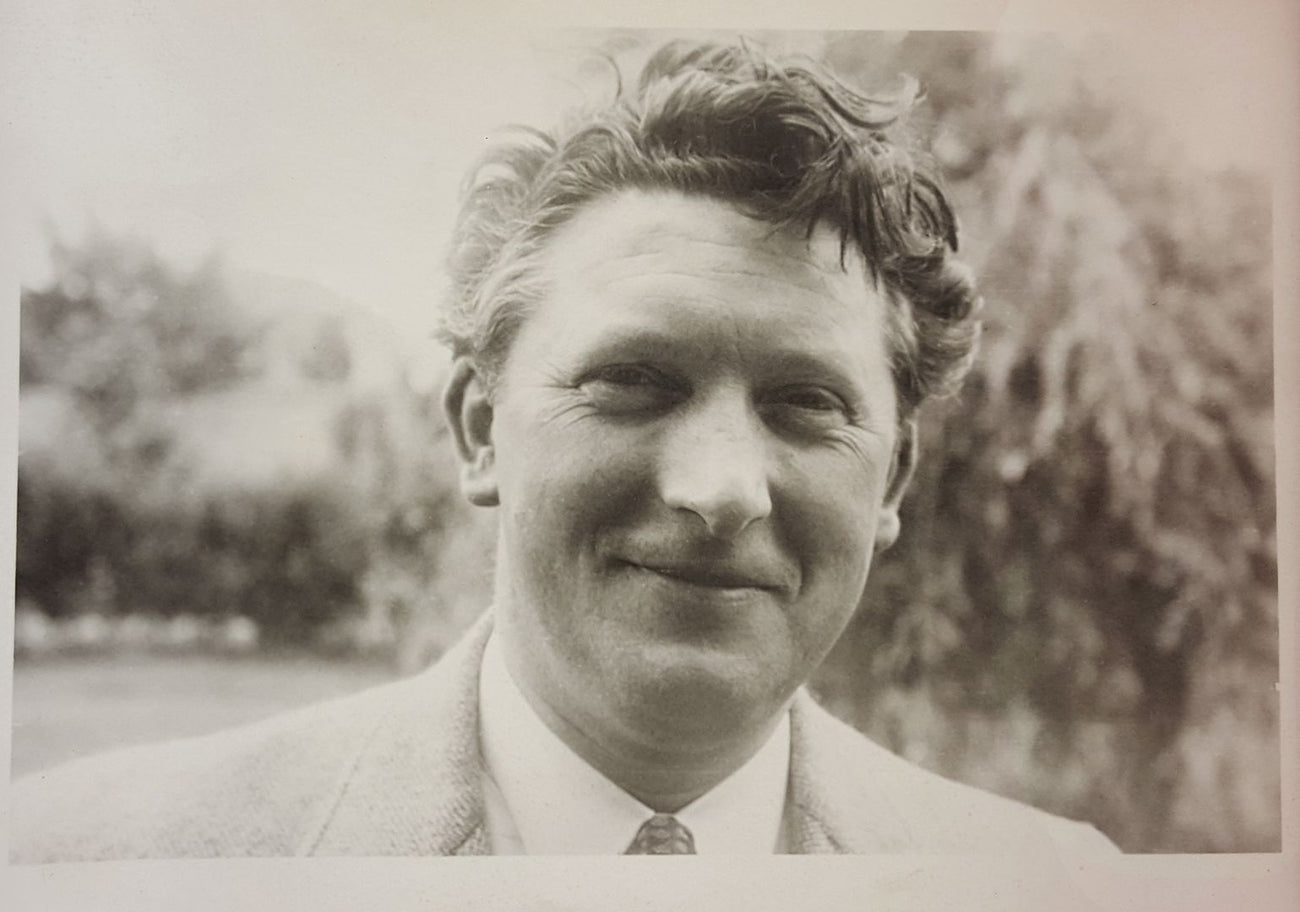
(561, 486)
(832, 511)
(836, 556)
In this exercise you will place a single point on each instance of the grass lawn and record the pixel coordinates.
(70, 707)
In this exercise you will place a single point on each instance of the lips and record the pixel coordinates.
(712, 575)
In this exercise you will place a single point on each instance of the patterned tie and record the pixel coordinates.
(662, 834)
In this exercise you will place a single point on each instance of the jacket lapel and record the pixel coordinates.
(415, 787)
(836, 804)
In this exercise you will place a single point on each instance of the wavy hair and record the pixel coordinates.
(782, 140)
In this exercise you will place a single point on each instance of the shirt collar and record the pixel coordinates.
(559, 805)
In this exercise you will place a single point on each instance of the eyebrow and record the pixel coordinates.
(797, 363)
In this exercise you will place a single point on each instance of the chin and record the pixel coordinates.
(704, 691)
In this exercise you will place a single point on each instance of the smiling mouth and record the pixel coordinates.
(707, 577)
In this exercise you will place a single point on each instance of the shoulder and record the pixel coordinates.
(261, 789)
(867, 799)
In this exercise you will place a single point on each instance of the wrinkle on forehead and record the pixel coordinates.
(750, 248)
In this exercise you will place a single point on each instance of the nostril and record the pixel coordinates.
(733, 517)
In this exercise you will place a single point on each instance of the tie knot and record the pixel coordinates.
(662, 834)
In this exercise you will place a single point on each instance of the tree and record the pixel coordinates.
(1091, 535)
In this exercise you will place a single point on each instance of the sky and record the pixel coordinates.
(327, 141)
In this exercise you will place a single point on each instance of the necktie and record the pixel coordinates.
(662, 834)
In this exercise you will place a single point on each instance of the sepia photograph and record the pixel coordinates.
(614, 441)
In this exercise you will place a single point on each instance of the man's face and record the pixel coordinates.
(692, 442)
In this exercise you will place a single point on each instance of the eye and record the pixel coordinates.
(813, 398)
(627, 375)
(631, 388)
(807, 406)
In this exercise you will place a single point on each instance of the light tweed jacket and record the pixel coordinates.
(396, 771)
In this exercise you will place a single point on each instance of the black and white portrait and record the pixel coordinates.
(445, 437)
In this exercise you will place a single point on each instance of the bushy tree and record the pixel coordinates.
(1089, 549)
(118, 327)
(118, 511)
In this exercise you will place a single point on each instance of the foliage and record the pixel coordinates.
(1090, 542)
(119, 328)
(117, 513)
(428, 552)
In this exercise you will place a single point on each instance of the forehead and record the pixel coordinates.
(620, 234)
(686, 263)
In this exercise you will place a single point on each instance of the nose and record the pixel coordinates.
(715, 465)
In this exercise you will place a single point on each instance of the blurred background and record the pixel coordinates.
(235, 494)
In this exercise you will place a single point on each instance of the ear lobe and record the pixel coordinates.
(901, 467)
(468, 408)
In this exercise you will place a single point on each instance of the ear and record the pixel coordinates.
(900, 473)
(468, 407)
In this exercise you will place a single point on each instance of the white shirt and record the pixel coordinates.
(541, 798)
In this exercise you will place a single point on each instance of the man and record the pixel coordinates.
(691, 335)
